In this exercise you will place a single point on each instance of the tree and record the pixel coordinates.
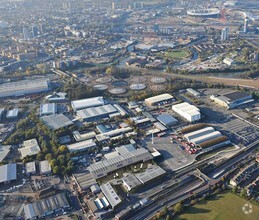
(168, 217)
(178, 207)
(234, 189)
(243, 192)
(56, 170)
(62, 149)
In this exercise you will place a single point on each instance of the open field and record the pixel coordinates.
(177, 54)
(227, 206)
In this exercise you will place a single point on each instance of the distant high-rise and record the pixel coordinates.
(245, 25)
(34, 31)
(113, 5)
(42, 29)
(25, 33)
(224, 34)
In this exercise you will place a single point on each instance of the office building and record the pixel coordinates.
(44, 167)
(30, 148)
(25, 33)
(245, 25)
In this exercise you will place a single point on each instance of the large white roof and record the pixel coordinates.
(87, 103)
(159, 98)
(30, 148)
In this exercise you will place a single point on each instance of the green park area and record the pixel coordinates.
(179, 54)
(225, 206)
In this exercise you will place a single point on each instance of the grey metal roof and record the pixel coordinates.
(56, 121)
(149, 174)
(8, 172)
(87, 103)
(96, 111)
(167, 119)
(45, 206)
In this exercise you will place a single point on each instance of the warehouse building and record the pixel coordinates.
(111, 195)
(214, 143)
(190, 136)
(55, 122)
(159, 100)
(84, 179)
(46, 207)
(87, 103)
(83, 136)
(193, 92)
(125, 149)
(12, 114)
(4, 151)
(187, 111)
(113, 133)
(232, 100)
(130, 182)
(97, 113)
(105, 167)
(150, 174)
(30, 168)
(44, 167)
(206, 137)
(86, 145)
(167, 120)
(56, 97)
(30, 148)
(24, 87)
(8, 173)
(48, 109)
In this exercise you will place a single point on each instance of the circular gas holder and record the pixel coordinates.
(100, 87)
(137, 86)
(158, 80)
(104, 79)
(117, 90)
(158, 87)
(119, 83)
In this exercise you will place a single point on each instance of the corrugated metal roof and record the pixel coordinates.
(8, 172)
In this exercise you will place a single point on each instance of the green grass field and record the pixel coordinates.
(227, 207)
(177, 54)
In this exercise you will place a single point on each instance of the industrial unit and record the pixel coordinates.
(187, 111)
(105, 167)
(56, 121)
(205, 137)
(86, 145)
(167, 120)
(30, 168)
(159, 99)
(46, 207)
(96, 113)
(24, 87)
(12, 114)
(110, 194)
(8, 173)
(44, 167)
(30, 148)
(48, 109)
(232, 100)
(87, 103)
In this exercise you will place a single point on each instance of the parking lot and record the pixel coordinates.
(240, 132)
(175, 155)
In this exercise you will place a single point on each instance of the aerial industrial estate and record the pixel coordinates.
(125, 109)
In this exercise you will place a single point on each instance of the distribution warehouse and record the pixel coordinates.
(87, 103)
(159, 99)
(232, 100)
(187, 111)
(205, 137)
(24, 87)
